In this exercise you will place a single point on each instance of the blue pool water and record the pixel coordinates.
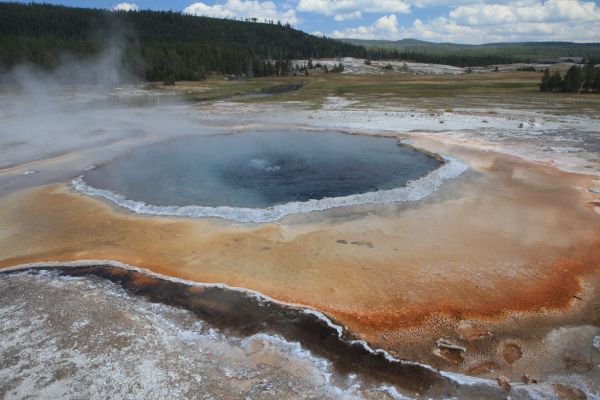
(260, 169)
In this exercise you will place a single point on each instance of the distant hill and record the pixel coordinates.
(157, 45)
(510, 52)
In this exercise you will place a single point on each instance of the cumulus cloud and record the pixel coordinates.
(517, 12)
(126, 7)
(455, 3)
(529, 20)
(266, 10)
(348, 7)
(384, 27)
(347, 16)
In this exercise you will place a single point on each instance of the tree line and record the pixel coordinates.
(457, 58)
(576, 79)
(158, 45)
(170, 46)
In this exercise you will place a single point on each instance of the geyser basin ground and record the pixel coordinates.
(502, 261)
(259, 176)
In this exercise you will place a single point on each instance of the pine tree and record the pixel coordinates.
(588, 76)
(157, 45)
(573, 79)
(556, 82)
(545, 85)
(596, 82)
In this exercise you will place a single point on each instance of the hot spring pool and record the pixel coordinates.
(257, 176)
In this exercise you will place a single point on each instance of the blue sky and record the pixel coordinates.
(465, 21)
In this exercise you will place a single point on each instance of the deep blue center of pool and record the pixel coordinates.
(260, 169)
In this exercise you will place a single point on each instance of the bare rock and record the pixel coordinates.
(527, 379)
(503, 382)
(569, 393)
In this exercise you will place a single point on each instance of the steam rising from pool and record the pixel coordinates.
(265, 176)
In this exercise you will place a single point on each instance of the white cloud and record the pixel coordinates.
(515, 12)
(568, 20)
(266, 10)
(346, 7)
(126, 7)
(528, 20)
(386, 26)
(455, 3)
(347, 16)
